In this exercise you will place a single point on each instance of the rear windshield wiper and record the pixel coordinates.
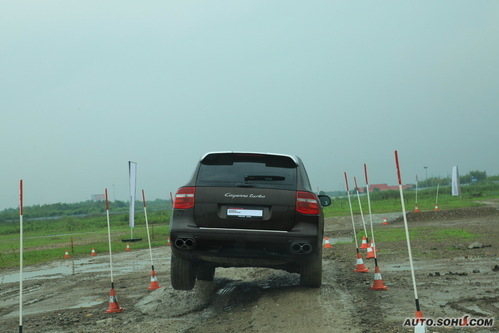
(264, 177)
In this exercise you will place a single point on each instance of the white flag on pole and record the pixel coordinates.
(456, 186)
(132, 168)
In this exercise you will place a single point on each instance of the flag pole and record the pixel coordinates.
(21, 250)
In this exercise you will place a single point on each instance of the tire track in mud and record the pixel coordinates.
(275, 302)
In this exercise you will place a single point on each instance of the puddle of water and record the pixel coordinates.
(341, 240)
(28, 310)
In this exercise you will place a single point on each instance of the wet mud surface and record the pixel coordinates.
(453, 279)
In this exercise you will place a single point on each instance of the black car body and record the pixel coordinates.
(244, 209)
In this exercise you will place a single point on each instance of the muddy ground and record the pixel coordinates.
(453, 279)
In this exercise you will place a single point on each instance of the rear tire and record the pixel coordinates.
(183, 275)
(311, 273)
(206, 273)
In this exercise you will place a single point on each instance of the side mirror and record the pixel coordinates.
(325, 200)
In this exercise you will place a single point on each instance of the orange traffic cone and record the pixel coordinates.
(154, 281)
(385, 221)
(360, 265)
(66, 255)
(93, 254)
(113, 303)
(436, 207)
(127, 247)
(327, 245)
(416, 209)
(169, 242)
(364, 244)
(370, 253)
(378, 281)
(421, 326)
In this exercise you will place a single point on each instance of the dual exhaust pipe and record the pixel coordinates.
(301, 248)
(185, 243)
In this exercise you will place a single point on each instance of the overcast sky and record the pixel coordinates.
(86, 86)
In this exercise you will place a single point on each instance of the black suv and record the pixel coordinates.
(247, 210)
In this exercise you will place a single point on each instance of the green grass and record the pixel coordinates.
(45, 241)
(384, 235)
(389, 201)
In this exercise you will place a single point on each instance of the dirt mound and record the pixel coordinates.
(451, 214)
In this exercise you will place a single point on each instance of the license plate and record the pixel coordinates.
(243, 212)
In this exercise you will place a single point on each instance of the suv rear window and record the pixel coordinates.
(247, 170)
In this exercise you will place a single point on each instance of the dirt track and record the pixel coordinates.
(453, 280)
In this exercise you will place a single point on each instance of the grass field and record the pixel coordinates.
(44, 241)
(389, 201)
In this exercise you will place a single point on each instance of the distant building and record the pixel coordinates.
(383, 187)
(98, 197)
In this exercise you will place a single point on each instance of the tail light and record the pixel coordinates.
(184, 198)
(307, 203)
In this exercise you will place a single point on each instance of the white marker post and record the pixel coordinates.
(132, 171)
(351, 213)
(109, 240)
(21, 250)
(420, 328)
(436, 198)
(417, 206)
(360, 264)
(154, 281)
(113, 301)
(373, 244)
(361, 213)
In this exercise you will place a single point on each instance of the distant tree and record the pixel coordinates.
(475, 174)
(479, 175)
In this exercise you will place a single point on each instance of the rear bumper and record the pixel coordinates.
(247, 247)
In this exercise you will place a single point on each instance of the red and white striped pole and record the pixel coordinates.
(21, 250)
(419, 314)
